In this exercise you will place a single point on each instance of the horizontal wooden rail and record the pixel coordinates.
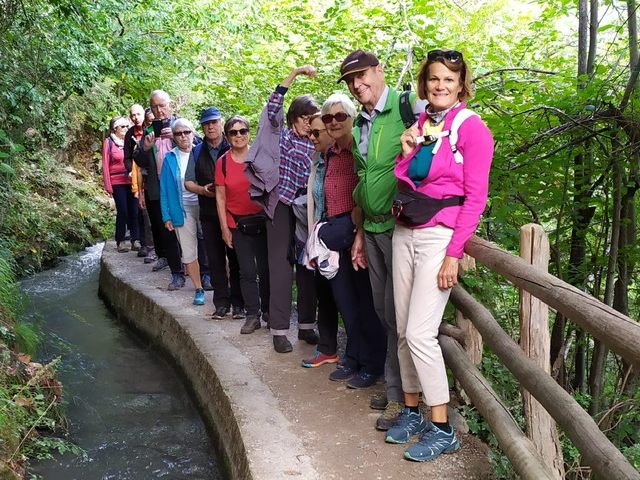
(521, 451)
(596, 449)
(617, 331)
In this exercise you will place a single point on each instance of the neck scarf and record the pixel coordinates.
(437, 117)
(117, 140)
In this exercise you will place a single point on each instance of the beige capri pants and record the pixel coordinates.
(188, 233)
(418, 255)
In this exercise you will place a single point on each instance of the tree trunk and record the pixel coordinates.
(600, 351)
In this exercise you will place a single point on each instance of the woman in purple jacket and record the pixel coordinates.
(443, 177)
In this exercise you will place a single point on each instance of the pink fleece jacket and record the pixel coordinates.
(447, 178)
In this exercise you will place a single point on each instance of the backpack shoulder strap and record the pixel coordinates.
(224, 165)
(406, 112)
(452, 133)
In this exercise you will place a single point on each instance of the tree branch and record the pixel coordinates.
(513, 69)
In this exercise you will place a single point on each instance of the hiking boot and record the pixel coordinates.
(160, 264)
(342, 374)
(431, 444)
(363, 380)
(151, 255)
(378, 401)
(309, 336)
(407, 425)
(251, 324)
(177, 281)
(135, 246)
(238, 313)
(389, 416)
(319, 358)
(206, 282)
(198, 299)
(121, 247)
(142, 252)
(220, 313)
(281, 344)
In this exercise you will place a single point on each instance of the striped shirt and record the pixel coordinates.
(295, 155)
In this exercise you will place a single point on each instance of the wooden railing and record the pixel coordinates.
(536, 455)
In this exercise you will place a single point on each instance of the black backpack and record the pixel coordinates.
(406, 111)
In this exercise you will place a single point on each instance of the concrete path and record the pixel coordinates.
(269, 417)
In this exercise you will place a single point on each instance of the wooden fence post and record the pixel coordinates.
(535, 342)
(472, 338)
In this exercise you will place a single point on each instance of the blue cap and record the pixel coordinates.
(208, 114)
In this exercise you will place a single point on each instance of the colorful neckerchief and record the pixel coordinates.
(437, 117)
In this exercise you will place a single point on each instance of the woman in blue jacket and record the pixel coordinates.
(179, 206)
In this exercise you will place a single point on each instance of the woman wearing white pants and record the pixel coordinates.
(443, 176)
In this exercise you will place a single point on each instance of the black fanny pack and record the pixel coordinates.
(251, 224)
(414, 208)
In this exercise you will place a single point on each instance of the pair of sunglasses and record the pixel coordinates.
(316, 133)
(182, 133)
(340, 117)
(452, 56)
(242, 131)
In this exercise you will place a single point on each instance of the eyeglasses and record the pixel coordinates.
(242, 131)
(316, 133)
(122, 126)
(340, 117)
(182, 133)
(452, 56)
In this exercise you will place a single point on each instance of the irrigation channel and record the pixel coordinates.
(127, 407)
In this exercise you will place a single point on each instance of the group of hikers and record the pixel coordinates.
(370, 209)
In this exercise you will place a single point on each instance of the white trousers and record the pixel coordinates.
(418, 255)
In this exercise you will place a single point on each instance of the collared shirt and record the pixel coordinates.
(363, 146)
(295, 155)
(213, 151)
(340, 180)
(368, 118)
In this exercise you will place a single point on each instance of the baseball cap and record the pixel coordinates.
(357, 61)
(208, 114)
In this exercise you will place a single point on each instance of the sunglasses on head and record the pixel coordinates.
(182, 133)
(452, 56)
(328, 118)
(316, 133)
(242, 131)
(121, 126)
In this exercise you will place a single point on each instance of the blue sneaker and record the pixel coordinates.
(177, 281)
(206, 282)
(362, 380)
(198, 299)
(342, 374)
(433, 443)
(407, 425)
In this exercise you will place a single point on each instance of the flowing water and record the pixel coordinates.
(126, 406)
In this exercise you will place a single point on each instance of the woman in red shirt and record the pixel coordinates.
(117, 183)
(243, 223)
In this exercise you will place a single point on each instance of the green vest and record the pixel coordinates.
(377, 186)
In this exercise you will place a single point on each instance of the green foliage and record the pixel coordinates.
(30, 409)
(67, 67)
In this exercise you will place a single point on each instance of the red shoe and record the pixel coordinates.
(318, 359)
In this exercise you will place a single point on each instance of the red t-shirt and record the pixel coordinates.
(236, 189)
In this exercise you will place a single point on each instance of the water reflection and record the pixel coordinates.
(126, 407)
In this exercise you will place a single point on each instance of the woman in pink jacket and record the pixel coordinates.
(117, 183)
(443, 177)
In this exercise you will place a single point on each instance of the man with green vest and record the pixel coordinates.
(376, 144)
